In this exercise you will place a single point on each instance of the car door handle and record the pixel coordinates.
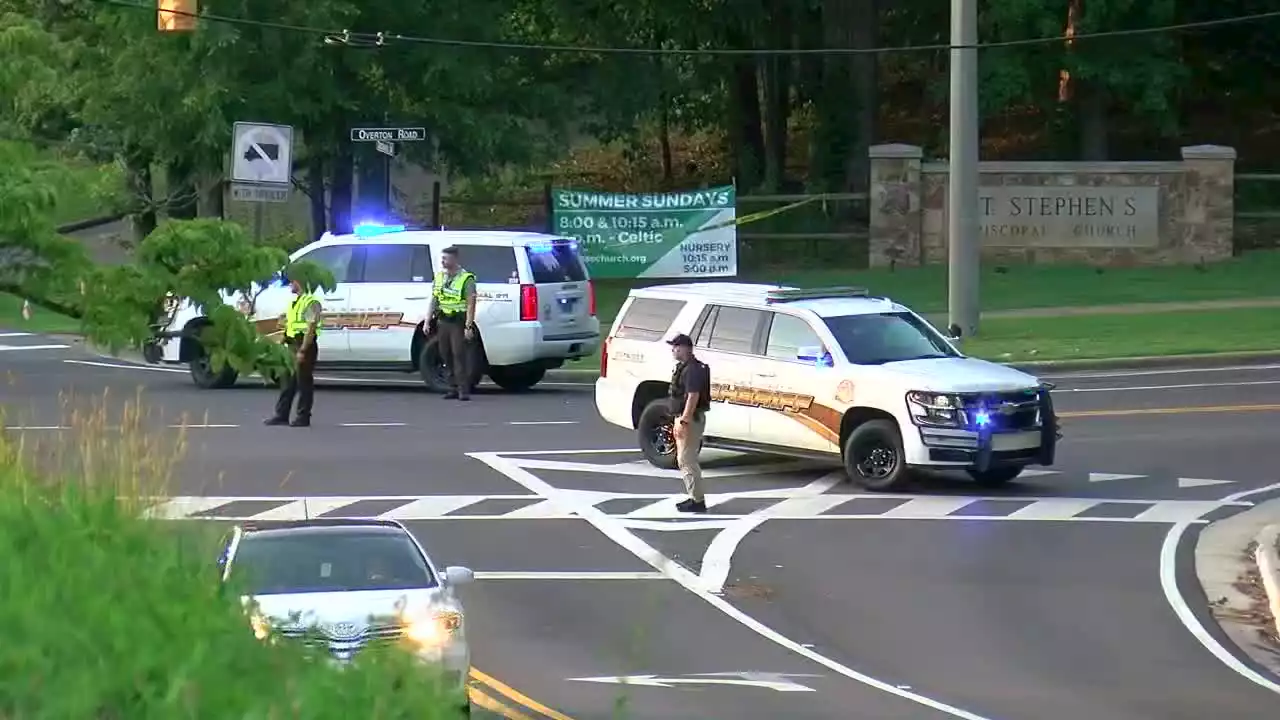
(335, 298)
(419, 297)
(765, 375)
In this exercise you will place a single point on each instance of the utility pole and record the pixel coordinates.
(963, 220)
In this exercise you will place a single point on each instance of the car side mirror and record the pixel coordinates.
(458, 575)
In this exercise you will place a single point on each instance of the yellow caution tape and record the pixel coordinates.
(758, 216)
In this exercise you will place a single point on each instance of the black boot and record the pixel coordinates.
(692, 506)
(276, 421)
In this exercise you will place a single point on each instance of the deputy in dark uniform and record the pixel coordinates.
(453, 317)
(301, 329)
(690, 395)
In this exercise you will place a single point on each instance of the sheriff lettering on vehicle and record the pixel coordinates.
(825, 373)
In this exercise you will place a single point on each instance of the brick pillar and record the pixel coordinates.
(1209, 208)
(894, 199)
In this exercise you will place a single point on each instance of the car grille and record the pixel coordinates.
(1008, 411)
(345, 648)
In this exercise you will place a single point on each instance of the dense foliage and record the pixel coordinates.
(96, 78)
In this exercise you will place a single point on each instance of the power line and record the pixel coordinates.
(384, 39)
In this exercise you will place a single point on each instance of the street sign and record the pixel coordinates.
(247, 192)
(770, 681)
(386, 148)
(262, 153)
(388, 134)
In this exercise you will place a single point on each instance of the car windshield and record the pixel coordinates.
(319, 561)
(878, 338)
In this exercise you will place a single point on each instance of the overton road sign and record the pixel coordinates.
(388, 134)
(262, 153)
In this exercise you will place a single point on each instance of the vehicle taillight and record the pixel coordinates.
(591, 298)
(604, 358)
(528, 303)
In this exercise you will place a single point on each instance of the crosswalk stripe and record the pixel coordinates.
(819, 507)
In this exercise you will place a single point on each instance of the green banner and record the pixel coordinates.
(651, 235)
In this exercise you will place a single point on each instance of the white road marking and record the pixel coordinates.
(718, 558)
(650, 471)
(303, 509)
(1169, 584)
(1161, 371)
(1065, 509)
(5, 348)
(16, 334)
(543, 422)
(588, 575)
(1201, 482)
(691, 582)
(433, 506)
(130, 366)
(930, 507)
(1108, 477)
(1136, 388)
(1177, 511)
(26, 428)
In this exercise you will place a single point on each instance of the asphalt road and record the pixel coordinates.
(1064, 596)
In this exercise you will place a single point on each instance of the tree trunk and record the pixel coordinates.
(139, 182)
(316, 187)
(1092, 101)
(183, 194)
(746, 136)
(341, 180)
(777, 97)
(866, 94)
(213, 199)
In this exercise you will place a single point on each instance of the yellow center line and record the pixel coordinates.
(519, 697)
(1171, 411)
(493, 706)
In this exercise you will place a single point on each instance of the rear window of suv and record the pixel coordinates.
(648, 318)
(556, 262)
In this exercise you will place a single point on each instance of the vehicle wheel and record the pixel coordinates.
(515, 378)
(431, 366)
(656, 435)
(873, 456)
(203, 375)
(996, 476)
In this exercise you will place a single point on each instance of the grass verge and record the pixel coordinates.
(106, 615)
(1017, 287)
(42, 321)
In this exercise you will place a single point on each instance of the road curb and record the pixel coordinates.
(1268, 559)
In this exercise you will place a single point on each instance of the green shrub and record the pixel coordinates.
(106, 616)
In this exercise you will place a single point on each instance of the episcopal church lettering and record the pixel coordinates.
(1070, 216)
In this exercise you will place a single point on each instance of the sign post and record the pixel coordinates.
(261, 166)
(688, 234)
(373, 185)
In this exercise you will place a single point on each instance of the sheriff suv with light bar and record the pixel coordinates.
(830, 374)
(536, 306)
(350, 587)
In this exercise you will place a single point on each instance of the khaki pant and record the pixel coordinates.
(687, 447)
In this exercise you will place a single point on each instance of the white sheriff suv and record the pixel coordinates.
(829, 374)
(535, 307)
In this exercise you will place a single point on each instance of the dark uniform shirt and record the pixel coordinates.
(691, 377)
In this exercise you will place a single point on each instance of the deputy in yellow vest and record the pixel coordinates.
(453, 318)
(301, 330)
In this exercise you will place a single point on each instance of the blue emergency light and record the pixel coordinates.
(372, 229)
(982, 418)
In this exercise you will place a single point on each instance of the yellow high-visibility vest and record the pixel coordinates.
(295, 324)
(448, 293)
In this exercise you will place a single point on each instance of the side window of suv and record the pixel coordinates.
(334, 258)
(787, 334)
(490, 263)
(390, 264)
(648, 318)
(736, 329)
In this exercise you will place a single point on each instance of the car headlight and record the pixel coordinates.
(261, 628)
(938, 409)
(433, 628)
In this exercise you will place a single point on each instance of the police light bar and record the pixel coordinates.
(370, 229)
(783, 295)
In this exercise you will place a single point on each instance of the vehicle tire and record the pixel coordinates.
(996, 476)
(203, 376)
(873, 456)
(431, 367)
(656, 436)
(517, 378)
